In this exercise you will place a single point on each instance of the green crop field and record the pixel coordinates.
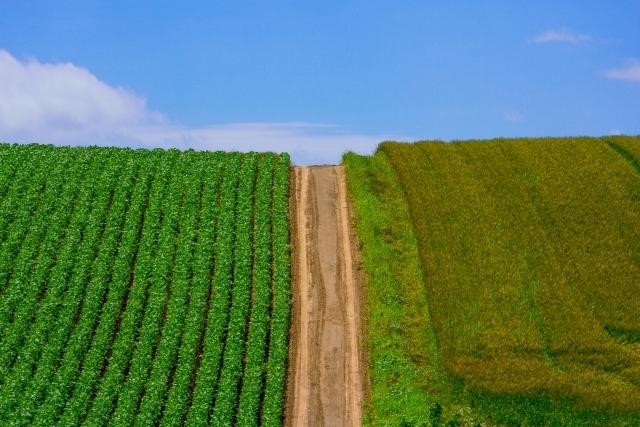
(142, 286)
(516, 302)
(152, 287)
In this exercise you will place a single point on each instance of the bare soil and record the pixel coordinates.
(325, 371)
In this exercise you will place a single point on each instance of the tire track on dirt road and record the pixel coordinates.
(325, 372)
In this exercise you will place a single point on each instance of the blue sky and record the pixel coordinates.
(315, 78)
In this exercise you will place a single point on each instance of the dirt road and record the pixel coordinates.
(325, 383)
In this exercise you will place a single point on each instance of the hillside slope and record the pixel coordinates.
(530, 256)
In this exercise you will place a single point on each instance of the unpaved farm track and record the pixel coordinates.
(325, 371)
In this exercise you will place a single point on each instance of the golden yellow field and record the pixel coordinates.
(531, 255)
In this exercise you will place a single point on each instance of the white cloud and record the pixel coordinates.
(629, 72)
(35, 95)
(615, 132)
(513, 116)
(562, 35)
(67, 105)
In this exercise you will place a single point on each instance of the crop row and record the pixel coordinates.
(218, 313)
(121, 349)
(142, 286)
(178, 397)
(60, 387)
(273, 403)
(67, 221)
(234, 350)
(24, 392)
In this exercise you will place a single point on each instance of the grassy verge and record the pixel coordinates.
(408, 386)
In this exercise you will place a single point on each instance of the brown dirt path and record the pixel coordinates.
(325, 377)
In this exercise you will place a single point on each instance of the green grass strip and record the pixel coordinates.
(406, 377)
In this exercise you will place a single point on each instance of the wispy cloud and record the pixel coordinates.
(61, 103)
(308, 143)
(562, 35)
(513, 116)
(630, 71)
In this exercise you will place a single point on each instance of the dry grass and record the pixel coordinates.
(531, 253)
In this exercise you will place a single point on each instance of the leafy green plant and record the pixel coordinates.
(253, 377)
(122, 347)
(176, 406)
(231, 373)
(61, 386)
(218, 314)
(149, 331)
(273, 405)
(44, 357)
(129, 281)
